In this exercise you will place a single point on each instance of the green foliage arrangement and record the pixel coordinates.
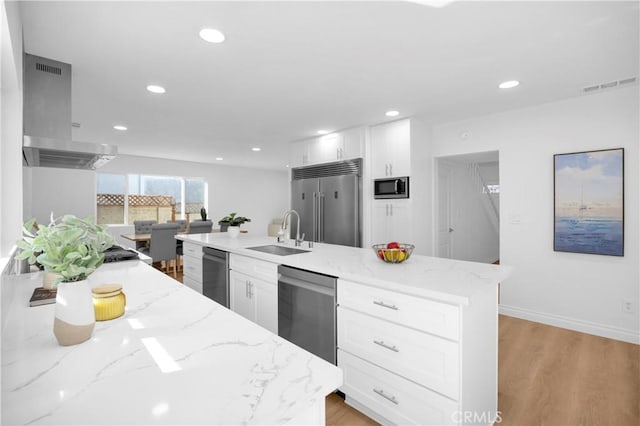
(233, 220)
(69, 246)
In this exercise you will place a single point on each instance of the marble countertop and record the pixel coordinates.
(446, 280)
(175, 357)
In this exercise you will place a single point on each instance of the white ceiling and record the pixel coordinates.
(288, 69)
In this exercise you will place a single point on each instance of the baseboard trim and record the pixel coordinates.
(615, 333)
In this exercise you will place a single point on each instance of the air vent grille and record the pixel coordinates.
(48, 68)
(349, 167)
(609, 85)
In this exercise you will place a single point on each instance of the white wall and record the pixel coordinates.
(261, 195)
(421, 181)
(61, 191)
(10, 147)
(11, 133)
(577, 291)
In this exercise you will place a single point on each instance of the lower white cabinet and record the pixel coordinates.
(240, 298)
(253, 288)
(425, 359)
(392, 397)
(412, 360)
(192, 266)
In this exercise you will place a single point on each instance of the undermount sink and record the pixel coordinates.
(278, 250)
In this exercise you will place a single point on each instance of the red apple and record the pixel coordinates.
(393, 245)
(381, 254)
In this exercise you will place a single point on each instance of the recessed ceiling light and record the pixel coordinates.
(255, 149)
(119, 127)
(286, 165)
(391, 113)
(508, 84)
(211, 35)
(323, 132)
(219, 158)
(155, 89)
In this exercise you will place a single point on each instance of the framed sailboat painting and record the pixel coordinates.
(589, 202)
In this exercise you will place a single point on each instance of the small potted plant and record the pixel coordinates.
(73, 248)
(234, 221)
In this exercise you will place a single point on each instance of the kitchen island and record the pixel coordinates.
(174, 357)
(417, 342)
(452, 281)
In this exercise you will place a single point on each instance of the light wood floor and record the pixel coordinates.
(550, 376)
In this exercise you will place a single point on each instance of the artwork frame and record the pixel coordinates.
(593, 224)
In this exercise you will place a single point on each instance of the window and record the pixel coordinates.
(111, 190)
(126, 198)
(194, 195)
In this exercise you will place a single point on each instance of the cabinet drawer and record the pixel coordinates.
(422, 314)
(256, 268)
(425, 359)
(192, 267)
(190, 249)
(392, 397)
(193, 284)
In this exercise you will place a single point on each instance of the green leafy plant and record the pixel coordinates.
(233, 220)
(69, 246)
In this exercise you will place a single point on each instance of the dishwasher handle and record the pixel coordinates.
(216, 259)
(318, 288)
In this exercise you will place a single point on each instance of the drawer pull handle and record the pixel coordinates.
(385, 396)
(384, 305)
(381, 343)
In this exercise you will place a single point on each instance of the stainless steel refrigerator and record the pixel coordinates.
(328, 199)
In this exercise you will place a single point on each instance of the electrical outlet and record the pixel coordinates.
(627, 306)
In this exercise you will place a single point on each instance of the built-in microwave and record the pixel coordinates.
(397, 187)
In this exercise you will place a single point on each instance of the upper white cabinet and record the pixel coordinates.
(390, 149)
(352, 143)
(328, 148)
(391, 221)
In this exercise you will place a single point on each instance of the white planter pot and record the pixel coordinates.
(75, 316)
(234, 231)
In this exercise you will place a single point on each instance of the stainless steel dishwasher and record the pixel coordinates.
(215, 275)
(307, 311)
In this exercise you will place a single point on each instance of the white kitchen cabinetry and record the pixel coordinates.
(391, 149)
(192, 265)
(336, 146)
(391, 221)
(254, 290)
(352, 143)
(410, 360)
(299, 154)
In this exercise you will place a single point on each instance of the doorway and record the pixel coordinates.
(468, 207)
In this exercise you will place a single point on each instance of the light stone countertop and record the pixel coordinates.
(175, 357)
(446, 280)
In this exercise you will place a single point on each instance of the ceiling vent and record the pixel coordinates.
(609, 85)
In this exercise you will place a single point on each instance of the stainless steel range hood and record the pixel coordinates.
(47, 120)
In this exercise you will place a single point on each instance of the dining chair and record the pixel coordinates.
(163, 245)
(142, 227)
(200, 227)
(182, 223)
(183, 228)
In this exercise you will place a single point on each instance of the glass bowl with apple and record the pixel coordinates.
(393, 252)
